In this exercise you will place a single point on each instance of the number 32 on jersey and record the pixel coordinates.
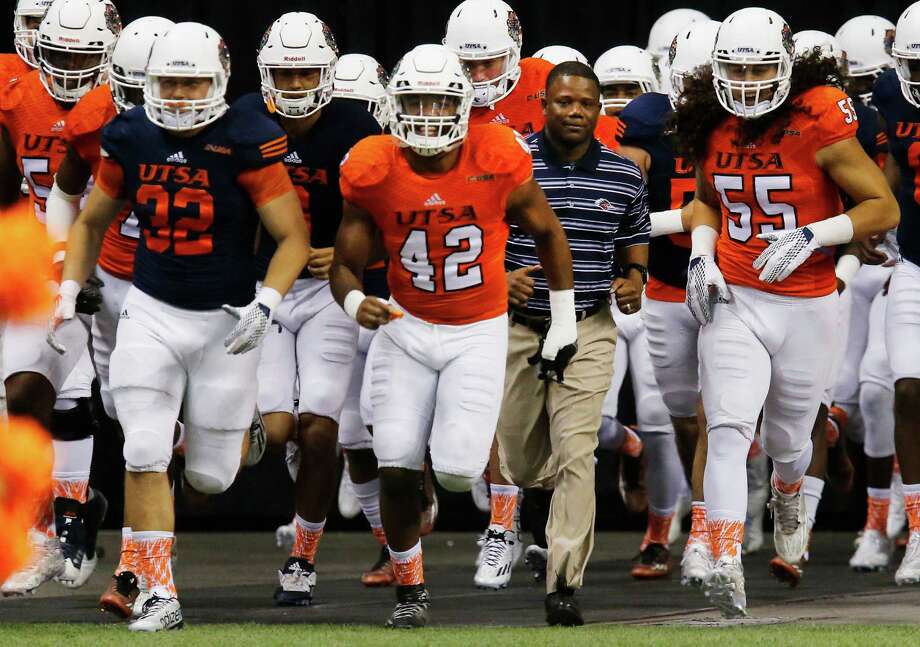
(460, 269)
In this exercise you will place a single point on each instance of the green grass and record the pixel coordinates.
(230, 635)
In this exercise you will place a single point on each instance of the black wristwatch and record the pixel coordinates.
(642, 269)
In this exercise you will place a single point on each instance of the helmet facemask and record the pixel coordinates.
(25, 36)
(908, 70)
(127, 87)
(491, 90)
(188, 111)
(767, 88)
(301, 102)
(68, 74)
(616, 95)
(429, 123)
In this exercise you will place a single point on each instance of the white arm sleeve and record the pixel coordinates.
(60, 212)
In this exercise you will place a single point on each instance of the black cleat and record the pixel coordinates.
(411, 609)
(562, 608)
(296, 583)
(69, 521)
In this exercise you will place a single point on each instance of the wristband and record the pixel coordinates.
(69, 290)
(703, 238)
(665, 223)
(833, 231)
(269, 297)
(352, 302)
(562, 305)
(847, 267)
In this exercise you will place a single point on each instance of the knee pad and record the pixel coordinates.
(147, 450)
(651, 414)
(148, 420)
(455, 482)
(212, 458)
(877, 406)
(75, 423)
(727, 443)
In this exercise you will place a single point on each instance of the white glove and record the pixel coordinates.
(254, 321)
(789, 249)
(559, 345)
(705, 284)
(65, 309)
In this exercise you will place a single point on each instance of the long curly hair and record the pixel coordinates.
(699, 112)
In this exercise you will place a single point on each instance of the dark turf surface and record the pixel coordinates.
(230, 578)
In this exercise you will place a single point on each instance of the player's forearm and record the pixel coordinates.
(344, 278)
(83, 247)
(555, 257)
(874, 216)
(286, 264)
(703, 214)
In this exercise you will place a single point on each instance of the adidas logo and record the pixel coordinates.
(292, 158)
(177, 158)
(124, 314)
(434, 201)
(58, 127)
(500, 118)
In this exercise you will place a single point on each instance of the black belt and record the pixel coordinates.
(539, 323)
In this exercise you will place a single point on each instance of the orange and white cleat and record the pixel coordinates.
(381, 573)
(785, 572)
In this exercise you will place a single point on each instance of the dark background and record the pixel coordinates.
(262, 498)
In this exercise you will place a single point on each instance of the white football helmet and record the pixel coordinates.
(690, 49)
(752, 37)
(24, 37)
(431, 79)
(557, 54)
(188, 50)
(129, 59)
(75, 40)
(485, 29)
(297, 40)
(665, 29)
(361, 78)
(863, 38)
(906, 52)
(622, 65)
(806, 41)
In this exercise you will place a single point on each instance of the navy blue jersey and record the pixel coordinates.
(313, 164)
(198, 222)
(902, 125)
(869, 134)
(671, 184)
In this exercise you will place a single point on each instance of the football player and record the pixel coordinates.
(438, 193)
(203, 178)
(82, 134)
(27, 16)
(41, 383)
(767, 340)
(313, 342)
(626, 72)
(897, 97)
(359, 77)
(557, 54)
(662, 34)
(672, 332)
(866, 41)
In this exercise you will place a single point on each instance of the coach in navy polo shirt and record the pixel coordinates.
(547, 431)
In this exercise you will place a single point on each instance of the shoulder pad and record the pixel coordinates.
(90, 114)
(11, 94)
(498, 149)
(887, 87)
(257, 139)
(368, 162)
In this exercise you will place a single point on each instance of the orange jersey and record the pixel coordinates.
(765, 187)
(444, 235)
(522, 109)
(11, 67)
(608, 131)
(83, 131)
(35, 123)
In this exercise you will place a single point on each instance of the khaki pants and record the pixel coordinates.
(547, 434)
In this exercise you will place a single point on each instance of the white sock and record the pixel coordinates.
(812, 489)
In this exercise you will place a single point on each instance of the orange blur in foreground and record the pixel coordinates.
(25, 265)
(25, 484)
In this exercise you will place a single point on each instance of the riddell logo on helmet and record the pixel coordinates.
(65, 39)
(295, 58)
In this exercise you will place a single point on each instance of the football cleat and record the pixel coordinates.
(381, 573)
(873, 553)
(68, 521)
(47, 563)
(897, 513)
(909, 570)
(536, 557)
(349, 506)
(285, 535)
(121, 595)
(411, 609)
(257, 441)
(682, 510)
(654, 563)
(296, 582)
(160, 612)
(139, 603)
(724, 587)
(695, 564)
(790, 527)
(562, 608)
(93, 515)
(497, 559)
(785, 572)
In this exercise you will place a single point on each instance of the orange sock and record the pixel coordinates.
(127, 560)
(76, 489)
(912, 505)
(502, 501)
(306, 538)
(407, 565)
(787, 488)
(877, 512)
(153, 561)
(380, 535)
(725, 537)
(656, 532)
(699, 530)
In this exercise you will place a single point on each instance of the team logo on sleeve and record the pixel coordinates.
(514, 27)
